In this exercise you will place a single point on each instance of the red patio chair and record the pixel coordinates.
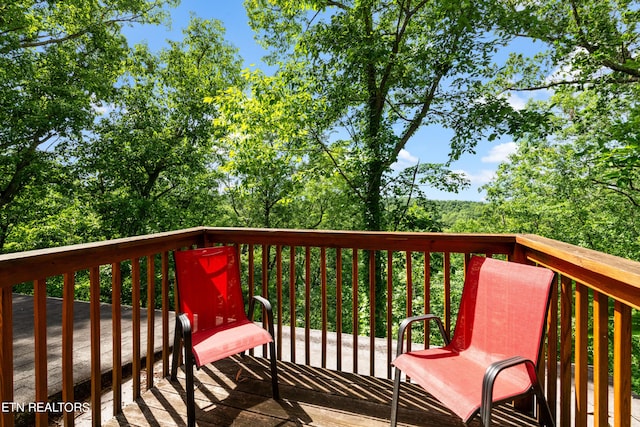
(213, 324)
(495, 347)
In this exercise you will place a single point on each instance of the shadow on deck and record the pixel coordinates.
(237, 392)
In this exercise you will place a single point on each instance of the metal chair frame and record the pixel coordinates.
(489, 379)
(183, 338)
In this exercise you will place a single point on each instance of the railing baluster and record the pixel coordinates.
(621, 365)
(427, 297)
(251, 272)
(552, 350)
(339, 309)
(581, 380)
(566, 351)
(165, 314)
(265, 249)
(135, 318)
(389, 311)
(323, 304)
(6, 352)
(96, 381)
(252, 281)
(292, 301)
(151, 318)
(354, 307)
(307, 305)
(372, 313)
(279, 300)
(447, 292)
(600, 359)
(40, 338)
(409, 312)
(116, 319)
(67, 345)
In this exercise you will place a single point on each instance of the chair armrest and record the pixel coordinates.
(182, 332)
(491, 374)
(183, 322)
(267, 306)
(409, 320)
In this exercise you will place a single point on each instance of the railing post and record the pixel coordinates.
(279, 300)
(372, 313)
(552, 350)
(6, 352)
(581, 372)
(600, 359)
(165, 313)
(566, 313)
(96, 383)
(40, 338)
(116, 325)
(67, 345)
(339, 308)
(135, 320)
(292, 301)
(151, 321)
(622, 365)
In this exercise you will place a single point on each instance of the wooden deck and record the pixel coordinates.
(311, 395)
(237, 392)
(231, 392)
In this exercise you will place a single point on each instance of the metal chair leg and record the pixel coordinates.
(546, 418)
(177, 349)
(182, 339)
(395, 399)
(274, 371)
(191, 403)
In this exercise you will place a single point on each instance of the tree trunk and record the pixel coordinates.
(373, 221)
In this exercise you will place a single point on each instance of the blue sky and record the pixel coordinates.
(430, 145)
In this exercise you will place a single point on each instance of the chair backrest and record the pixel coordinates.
(503, 309)
(209, 289)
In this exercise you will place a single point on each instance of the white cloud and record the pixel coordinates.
(500, 153)
(517, 101)
(405, 160)
(480, 178)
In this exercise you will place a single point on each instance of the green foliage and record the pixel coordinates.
(161, 128)
(58, 64)
(377, 72)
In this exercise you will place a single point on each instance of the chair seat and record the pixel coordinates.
(455, 379)
(217, 343)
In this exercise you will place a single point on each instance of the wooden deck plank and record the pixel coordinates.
(237, 392)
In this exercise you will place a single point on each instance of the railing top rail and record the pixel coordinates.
(23, 266)
(612, 275)
(368, 240)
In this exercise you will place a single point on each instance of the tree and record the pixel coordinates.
(262, 154)
(150, 163)
(58, 64)
(590, 63)
(379, 71)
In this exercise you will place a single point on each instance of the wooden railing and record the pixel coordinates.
(318, 280)
(588, 277)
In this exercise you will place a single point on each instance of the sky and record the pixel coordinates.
(429, 145)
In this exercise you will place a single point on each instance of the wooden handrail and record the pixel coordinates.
(21, 266)
(609, 277)
(619, 278)
(284, 267)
